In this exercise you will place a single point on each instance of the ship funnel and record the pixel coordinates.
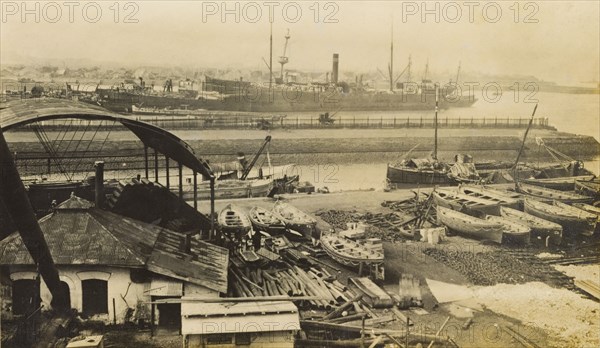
(334, 73)
(99, 180)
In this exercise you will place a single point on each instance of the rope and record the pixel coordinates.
(87, 148)
(45, 141)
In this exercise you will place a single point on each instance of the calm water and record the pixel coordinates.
(572, 113)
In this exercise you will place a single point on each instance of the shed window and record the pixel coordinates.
(95, 296)
(218, 339)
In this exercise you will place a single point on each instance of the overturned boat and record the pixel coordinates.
(540, 228)
(470, 226)
(574, 221)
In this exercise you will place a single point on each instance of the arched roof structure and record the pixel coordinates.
(22, 112)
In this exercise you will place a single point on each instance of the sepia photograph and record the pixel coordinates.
(300, 174)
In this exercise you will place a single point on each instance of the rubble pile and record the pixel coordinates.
(494, 267)
(339, 218)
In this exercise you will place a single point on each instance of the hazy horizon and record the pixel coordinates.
(564, 44)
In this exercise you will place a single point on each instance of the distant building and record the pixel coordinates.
(112, 267)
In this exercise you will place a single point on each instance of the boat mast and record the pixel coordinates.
(525, 137)
(435, 142)
(391, 65)
(271, 60)
(457, 73)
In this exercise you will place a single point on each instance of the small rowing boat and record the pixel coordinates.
(562, 184)
(264, 220)
(513, 232)
(459, 201)
(550, 194)
(540, 228)
(234, 221)
(589, 208)
(574, 221)
(470, 226)
(589, 188)
(504, 198)
(295, 218)
(350, 252)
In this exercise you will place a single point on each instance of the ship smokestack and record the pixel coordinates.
(99, 181)
(334, 73)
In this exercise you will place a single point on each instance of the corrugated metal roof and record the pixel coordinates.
(210, 318)
(80, 234)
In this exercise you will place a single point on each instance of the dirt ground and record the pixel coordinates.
(526, 307)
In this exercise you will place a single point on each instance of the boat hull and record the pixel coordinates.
(561, 184)
(399, 175)
(572, 225)
(295, 219)
(540, 228)
(328, 242)
(470, 226)
(230, 189)
(550, 194)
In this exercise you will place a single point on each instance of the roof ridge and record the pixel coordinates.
(104, 227)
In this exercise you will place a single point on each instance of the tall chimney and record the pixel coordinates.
(334, 73)
(99, 197)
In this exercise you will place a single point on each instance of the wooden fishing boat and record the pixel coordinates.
(540, 228)
(561, 184)
(234, 221)
(589, 188)
(513, 232)
(352, 253)
(504, 198)
(470, 226)
(550, 194)
(589, 208)
(264, 220)
(458, 201)
(229, 189)
(591, 216)
(295, 218)
(574, 221)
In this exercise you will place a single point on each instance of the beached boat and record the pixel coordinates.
(574, 221)
(589, 188)
(350, 252)
(459, 201)
(505, 198)
(229, 189)
(470, 226)
(264, 220)
(561, 184)
(540, 228)
(589, 208)
(513, 232)
(234, 221)
(295, 218)
(550, 194)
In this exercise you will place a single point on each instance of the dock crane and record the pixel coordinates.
(247, 169)
(283, 59)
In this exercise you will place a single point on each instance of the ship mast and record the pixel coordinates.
(435, 143)
(391, 65)
(426, 70)
(457, 73)
(271, 60)
(283, 59)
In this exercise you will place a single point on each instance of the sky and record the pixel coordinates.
(552, 40)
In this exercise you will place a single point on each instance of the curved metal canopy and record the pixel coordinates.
(22, 112)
